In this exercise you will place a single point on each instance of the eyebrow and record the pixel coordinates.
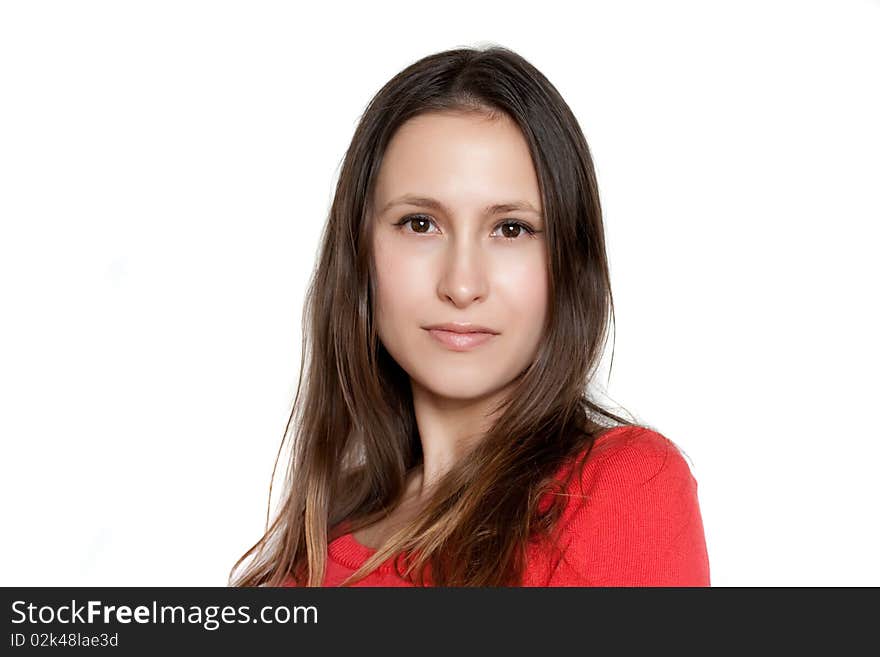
(428, 202)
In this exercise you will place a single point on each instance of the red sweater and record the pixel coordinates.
(640, 526)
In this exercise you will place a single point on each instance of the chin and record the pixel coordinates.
(459, 388)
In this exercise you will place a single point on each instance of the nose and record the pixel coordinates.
(464, 277)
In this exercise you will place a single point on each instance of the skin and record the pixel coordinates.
(456, 264)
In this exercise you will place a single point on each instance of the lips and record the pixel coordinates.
(460, 341)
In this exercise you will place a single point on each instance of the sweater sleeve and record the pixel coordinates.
(635, 521)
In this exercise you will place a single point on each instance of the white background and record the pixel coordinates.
(166, 169)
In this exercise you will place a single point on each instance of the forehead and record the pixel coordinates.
(458, 158)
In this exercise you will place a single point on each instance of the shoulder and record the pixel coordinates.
(632, 440)
(634, 455)
(626, 462)
(632, 516)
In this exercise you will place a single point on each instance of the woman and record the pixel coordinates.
(445, 434)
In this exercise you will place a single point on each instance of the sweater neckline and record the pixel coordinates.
(350, 552)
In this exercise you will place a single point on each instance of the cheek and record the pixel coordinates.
(523, 285)
(400, 285)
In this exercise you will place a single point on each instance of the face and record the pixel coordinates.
(444, 254)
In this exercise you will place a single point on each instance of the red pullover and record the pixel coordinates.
(633, 519)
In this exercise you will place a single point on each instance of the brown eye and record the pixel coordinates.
(511, 230)
(419, 223)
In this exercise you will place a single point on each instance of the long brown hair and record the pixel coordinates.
(355, 437)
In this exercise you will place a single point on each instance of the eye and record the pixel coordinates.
(417, 220)
(518, 228)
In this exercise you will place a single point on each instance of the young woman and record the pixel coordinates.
(445, 433)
